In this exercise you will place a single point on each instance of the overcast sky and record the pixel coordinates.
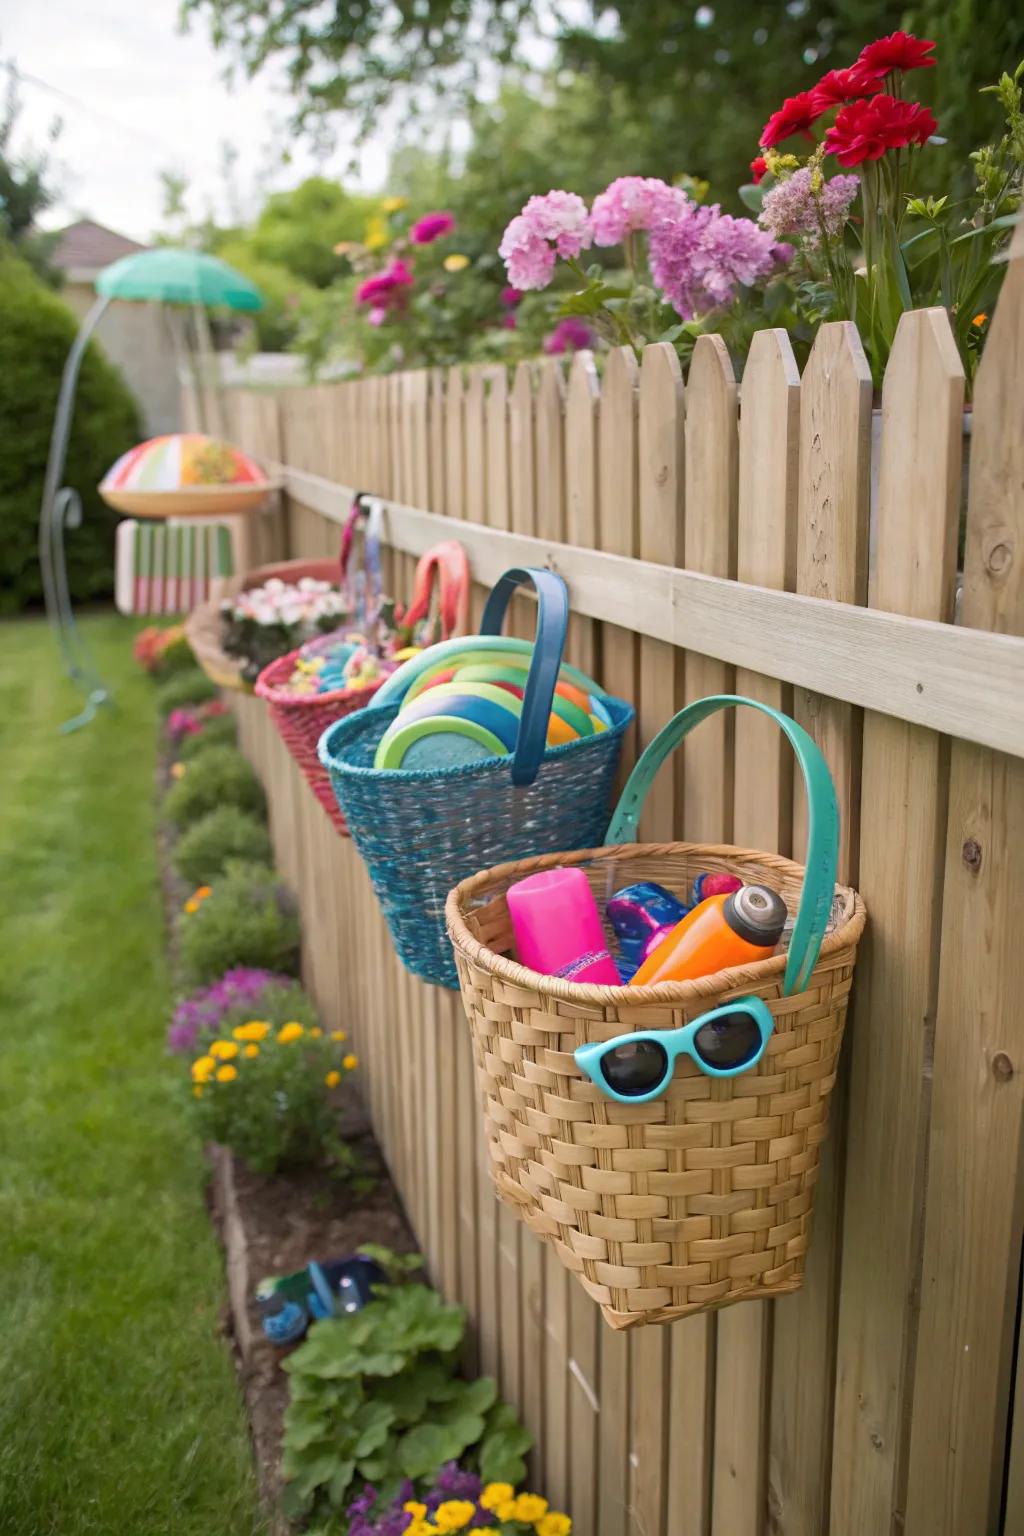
(148, 98)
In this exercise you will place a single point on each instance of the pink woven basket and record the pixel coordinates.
(302, 719)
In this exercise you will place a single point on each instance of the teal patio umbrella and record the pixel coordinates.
(166, 276)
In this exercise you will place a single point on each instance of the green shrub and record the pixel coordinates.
(206, 846)
(220, 776)
(375, 1398)
(248, 918)
(190, 685)
(36, 335)
(218, 731)
(266, 1086)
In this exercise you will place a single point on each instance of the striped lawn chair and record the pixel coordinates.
(170, 567)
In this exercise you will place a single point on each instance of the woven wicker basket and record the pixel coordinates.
(204, 630)
(302, 719)
(699, 1198)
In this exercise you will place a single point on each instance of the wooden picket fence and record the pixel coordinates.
(800, 548)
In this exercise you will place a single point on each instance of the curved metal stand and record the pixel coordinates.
(61, 508)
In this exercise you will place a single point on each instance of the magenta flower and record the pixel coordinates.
(570, 335)
(556, 224)
(791, 208)
(510, 297)
(387, 287)
(631, 203)
(700, 257)
(431, 227)
(509, 320)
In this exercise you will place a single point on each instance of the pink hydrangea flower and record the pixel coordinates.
(700, 257)
(556, 224)
(431, 227)
(632, 203)
(385, 287)
(570, 335)
(791, 208)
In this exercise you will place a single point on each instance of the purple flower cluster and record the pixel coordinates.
(701, 255)
(792, 208)
(452, 1483)
(570, 335)
(202, 1012)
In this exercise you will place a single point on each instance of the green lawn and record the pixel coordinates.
(119, 1411)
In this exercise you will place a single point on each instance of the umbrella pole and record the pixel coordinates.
(61, 508)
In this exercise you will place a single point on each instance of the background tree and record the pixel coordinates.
(25, 186)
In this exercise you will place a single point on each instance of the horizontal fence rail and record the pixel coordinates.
(798, 544)
(965, 682)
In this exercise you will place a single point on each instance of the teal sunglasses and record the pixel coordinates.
(638, 1067)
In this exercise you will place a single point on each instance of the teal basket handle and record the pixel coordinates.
(822, 821)
(548, 645)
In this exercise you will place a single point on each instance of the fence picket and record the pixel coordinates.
(904, 781)
(972, 1235)
(835, 426)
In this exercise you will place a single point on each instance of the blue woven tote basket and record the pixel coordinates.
(423, 831)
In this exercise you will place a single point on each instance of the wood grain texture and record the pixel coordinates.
(973, 1223)
(835, 425)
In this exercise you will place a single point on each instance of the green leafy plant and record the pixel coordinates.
(247, 918)
(220, 731)
(190, 685)
(35, 337)
(218, 777)
(376, 1398)
(225, 833)
(267, 1090)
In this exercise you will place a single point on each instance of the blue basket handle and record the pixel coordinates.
(548, 645)
(822, 821)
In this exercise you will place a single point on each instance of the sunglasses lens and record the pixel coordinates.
(635, 1068)
(728, 1042)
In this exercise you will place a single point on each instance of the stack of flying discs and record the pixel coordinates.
(465, 707)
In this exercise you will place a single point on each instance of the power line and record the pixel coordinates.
(75, 101)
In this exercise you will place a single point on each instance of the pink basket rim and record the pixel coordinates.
(269, 687)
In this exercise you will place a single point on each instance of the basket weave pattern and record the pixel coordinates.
(203, 628)
(702, 1197)
(421, 831)
(302, 719)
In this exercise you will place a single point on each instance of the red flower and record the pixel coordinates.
(900, 50)
(864, 130)
(841, 85)
(758, 168)
(796, 115)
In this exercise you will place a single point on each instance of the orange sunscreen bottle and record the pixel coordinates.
(729, 929)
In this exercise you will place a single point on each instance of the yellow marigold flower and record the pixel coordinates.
(495, 1494)
(198, 1090)
(289, 1032)
(456, 262)
(486, 1530)
(251, 1050)
(224, 1050)
(980, 319)
(201, 892)
(554, 1524)
(394, 205)
(412, 1508)
(338, 1034)
(177, 770)
(255, 1029)
(376, 233)
(332, 1079)
(506, 1511)
(226, 1074)
(202, 1068)
(316, 1032)
(350, 1062)
(530, 1507)
(191, 906)
(454, 1514)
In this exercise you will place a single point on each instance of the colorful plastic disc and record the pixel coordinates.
(439, 741)
(494, 717)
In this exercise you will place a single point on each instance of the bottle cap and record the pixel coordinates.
(757, 914)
